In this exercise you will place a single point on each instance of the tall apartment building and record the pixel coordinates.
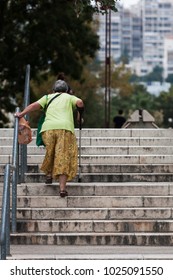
(168, 56)
(131, 24)
(157, 24)
(116, 36)
(142, 33)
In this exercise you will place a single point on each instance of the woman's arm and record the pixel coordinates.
(80, 110)
(79, 103)
(30, 108)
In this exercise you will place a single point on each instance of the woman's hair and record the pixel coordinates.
(60, 86)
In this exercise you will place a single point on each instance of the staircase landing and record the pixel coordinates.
(42, 252)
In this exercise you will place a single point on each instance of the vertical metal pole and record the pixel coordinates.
(15, 175)
(109, 70)
(80, 147)
(27, 88)
(5, 221)
(107, 67)
(8, 216)
(106, 51)
(3, 252)
(23, 164)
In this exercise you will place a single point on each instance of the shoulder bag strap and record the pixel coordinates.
(51, 100)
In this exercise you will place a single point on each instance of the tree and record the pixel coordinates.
(99, 6)
(88, 88)
(170, 79)
(155, 75)
(45, 34)
(164, 103)
(138, 98)
(120, 80)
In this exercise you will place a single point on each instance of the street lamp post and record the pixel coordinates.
(107, 67)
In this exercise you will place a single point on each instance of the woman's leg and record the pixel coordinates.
(62, 182)
(62, 185)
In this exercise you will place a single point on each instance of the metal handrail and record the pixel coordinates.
(5, 215)
(14, 179)
(15, 175)
(23, 166)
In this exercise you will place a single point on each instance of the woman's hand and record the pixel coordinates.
(79, 119)
(18, 115)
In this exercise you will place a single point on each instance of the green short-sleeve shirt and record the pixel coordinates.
(59, 114)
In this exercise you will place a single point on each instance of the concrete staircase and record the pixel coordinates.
(125, 197)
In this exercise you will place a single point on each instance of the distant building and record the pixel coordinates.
(157, 24)
(168, 56)
(143, 34)
(116, 36)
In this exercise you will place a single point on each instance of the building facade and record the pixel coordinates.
(142, 34)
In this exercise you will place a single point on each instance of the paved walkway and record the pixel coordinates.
(41, 252)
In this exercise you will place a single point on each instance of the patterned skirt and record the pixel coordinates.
(61, 153)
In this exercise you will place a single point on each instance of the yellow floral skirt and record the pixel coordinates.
(61, 153)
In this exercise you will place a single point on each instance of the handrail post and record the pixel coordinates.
(5, 220)
(25, 104)
(15, 174)
(8, 215)
(27, 88)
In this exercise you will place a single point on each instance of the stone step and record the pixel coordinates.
(112, 168)
(31, 168)
(103, 159)
(94, 226)
(131, 150)
(96, 201)
(126, 141)
(97, 189)
(93, 213)
(125, 132)
(103, 253)
(106, 141)
(107, 132)
(127, 168)
(121, 238)
(103, 150)
(106, 177)
(125, 159)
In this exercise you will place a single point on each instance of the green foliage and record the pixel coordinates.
(98, 6)
(45, 34)
(170, 79)
(164, 103)
(139, 98)
(88, 88)
(50, 37)
(120, 79)
(91, 89)
(155, 75)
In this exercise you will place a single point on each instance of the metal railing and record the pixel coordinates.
(23, 165)
(11, 177)
(5, 215)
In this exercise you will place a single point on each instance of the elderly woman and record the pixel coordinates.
(60, 161)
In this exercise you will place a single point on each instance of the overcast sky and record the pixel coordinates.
(127, 3)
